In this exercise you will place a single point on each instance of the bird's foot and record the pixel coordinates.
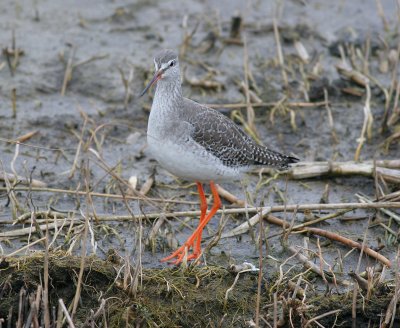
(182, 253)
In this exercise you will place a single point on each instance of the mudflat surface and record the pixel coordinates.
(98, 125)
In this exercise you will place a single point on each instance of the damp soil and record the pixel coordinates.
(107, 41)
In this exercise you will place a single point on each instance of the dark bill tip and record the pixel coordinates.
(155, 78)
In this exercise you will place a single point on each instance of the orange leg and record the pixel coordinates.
(203, 209)
(179, 254)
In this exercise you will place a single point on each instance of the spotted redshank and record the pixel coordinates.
(198, 143)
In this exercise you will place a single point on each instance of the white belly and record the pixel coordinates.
(190, 161)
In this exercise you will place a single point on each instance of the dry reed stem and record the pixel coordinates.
(321, 263)
(12, 51)
(381, 14)
(350, 243)
(10, 193)
(355, 289)
(305, 170)
(367, 124)
(12, 141)
(253, 96)
(366, 56)
(327, 234)
(394, 196)
(234, 284)
(260, 274)
(388, 175)
(16, 52)
(330, 118)
(187, 37)
(229, 197)
(22, 295)
(68, 71)
(96, 194)
(67, 316)
(14, 159)
(281, 274)
(14, 102)
(314, 320)
(78, 150)
(391, 309)
(127, 272)
(32, 229)
(13, 198)
(101, 163)
(362, 283)
(46, 280)
(298, 292)
(205, 82)
(249, 109)
(393, 84)
(393, 215)
(138, 272)
(244, 227)
(275, 313)
(94, 316)
(127, 85)
(308, 264)
(81, 270)
(396, 108)
(38, 296)
(154, 232)
(217, 236)
(26, 136)
(323, 218)
(280, 53)
(84, 241)
(148, 184)
(389, 140)
(90, 59)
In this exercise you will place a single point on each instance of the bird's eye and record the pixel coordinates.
(172, 63)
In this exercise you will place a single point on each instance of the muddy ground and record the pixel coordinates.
(104, 43)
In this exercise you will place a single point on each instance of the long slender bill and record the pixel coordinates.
(155, 78)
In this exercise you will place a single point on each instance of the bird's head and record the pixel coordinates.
(166, 67)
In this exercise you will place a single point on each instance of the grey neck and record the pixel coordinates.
(166, 108)
(169, 91)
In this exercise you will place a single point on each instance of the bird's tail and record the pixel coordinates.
(265, 156)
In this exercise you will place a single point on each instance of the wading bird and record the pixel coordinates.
(198, 143)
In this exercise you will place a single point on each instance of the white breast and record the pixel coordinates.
(190, 161)
(169, 140)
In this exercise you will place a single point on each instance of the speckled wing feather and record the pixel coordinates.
(228, 142)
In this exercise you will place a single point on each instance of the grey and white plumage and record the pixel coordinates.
(195, 142)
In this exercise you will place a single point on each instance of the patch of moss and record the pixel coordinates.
(173, 297)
